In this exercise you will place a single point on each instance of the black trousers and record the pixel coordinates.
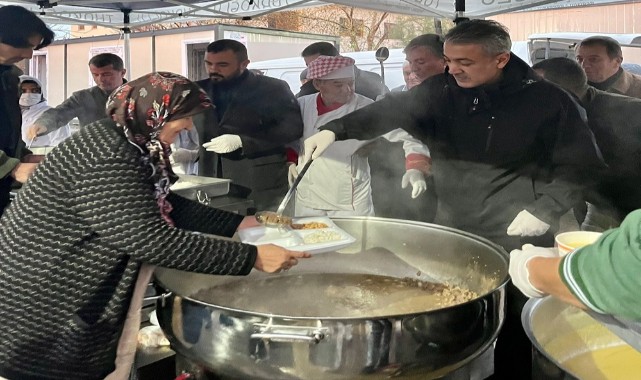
(513, 352)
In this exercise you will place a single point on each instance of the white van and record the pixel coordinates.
(559, 44)
(289, 69)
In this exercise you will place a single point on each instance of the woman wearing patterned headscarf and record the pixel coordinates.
(87, 228)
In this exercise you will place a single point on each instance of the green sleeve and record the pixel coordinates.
(606, 276)
(7, 164)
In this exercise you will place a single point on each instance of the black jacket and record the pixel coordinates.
(496, 149)
(367, 83)
(12, 148)
(265, 114)
(615, 121)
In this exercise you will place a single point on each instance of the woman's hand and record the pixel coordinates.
(22, 171)
(272, 258)
(248, 222)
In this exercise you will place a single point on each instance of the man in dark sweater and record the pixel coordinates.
(246, 133)
(21, 32)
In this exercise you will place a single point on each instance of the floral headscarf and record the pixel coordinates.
(142, 107)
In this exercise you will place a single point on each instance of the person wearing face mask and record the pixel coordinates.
(33, 104)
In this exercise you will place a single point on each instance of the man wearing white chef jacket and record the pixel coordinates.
(338, 182)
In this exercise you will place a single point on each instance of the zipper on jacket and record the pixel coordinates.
(489, 135)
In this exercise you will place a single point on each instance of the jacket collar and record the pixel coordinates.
(623, 83)
(517, 75)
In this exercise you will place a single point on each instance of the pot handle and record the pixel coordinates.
(315, 337)
(161, 297)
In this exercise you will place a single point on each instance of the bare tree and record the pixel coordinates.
(359, 29)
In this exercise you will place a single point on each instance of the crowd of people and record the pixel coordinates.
(485, 144)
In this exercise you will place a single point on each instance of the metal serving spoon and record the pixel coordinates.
(277, 219)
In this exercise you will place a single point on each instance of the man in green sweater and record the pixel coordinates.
(602, 277)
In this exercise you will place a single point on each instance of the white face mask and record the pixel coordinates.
(28, 99)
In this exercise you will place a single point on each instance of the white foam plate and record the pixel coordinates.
(295, 239)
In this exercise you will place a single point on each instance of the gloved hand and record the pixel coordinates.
(526, 224)
(36, 130)
(292, 173)
(182, 156)
(316, 144)
(224, 144)
(416, 178)
(519, 259)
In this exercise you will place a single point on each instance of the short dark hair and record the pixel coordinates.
(18, 25)
(491, 35)
(612, 46)
(322, 48)
(433, 42)
(222, 45)
(565, 72)
(106, 59)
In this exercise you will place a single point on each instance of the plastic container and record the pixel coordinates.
(299, 240)
(200, 188)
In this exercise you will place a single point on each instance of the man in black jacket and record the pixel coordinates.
(510, 152)
(245, 135)
(367, 83)
(615, 121)
(21, 32)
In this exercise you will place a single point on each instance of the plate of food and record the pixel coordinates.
(314, 234)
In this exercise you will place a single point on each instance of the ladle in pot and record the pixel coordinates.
(277, 219)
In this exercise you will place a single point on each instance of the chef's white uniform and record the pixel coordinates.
(338, 182)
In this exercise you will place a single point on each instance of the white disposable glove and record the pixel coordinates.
(519, 259)
(316, 144)
(416, 178)
(182, 156)
(526, 224)
(292, 173)
(224, 144)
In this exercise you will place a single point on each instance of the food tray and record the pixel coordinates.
(189, 185)
(295, 239)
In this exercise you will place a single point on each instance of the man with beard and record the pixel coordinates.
(245, 134)
(510, 152)
(88, 105)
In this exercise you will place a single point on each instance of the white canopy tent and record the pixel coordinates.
(136, 13)
(144, 12)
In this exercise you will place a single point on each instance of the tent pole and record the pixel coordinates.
(153, 52)
(65, 76)
(127, 34)
(459, 14)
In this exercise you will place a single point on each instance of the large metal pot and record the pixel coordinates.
(566, 341)
(240, 343)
